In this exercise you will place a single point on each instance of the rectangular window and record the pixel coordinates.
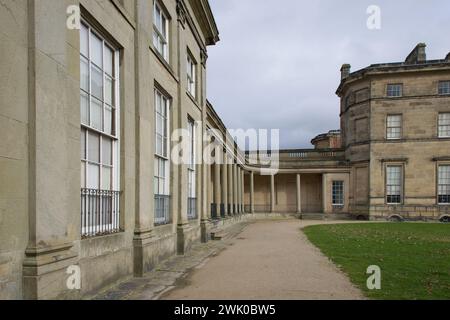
(338, 193)
(160, 31)
(444, 184)
(444, 125)
(191, 75)
(394, 179)
(99, 88)
(192, 183)
(394, 127)
(444, 87)
(394, 90)
(162, 163)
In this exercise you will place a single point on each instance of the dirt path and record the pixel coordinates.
(269, 260)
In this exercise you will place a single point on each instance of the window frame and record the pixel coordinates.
(338, 196)
(114, 136)
(393, 127)
(160, 37)
(102, 214)
(162, 200)
(191, 169)
(401, 186)
(438, 184)
(389, 92)
(440, 91)
(165, 157)
(439, 125)
(191, 74)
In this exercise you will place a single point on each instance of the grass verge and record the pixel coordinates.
(414, 257)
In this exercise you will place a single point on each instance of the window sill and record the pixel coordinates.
(102, 237)
(164, 63)
(192, 98)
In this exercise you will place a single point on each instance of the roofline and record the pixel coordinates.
(207, 21)
(395, 67)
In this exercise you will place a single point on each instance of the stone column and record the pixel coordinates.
(239, 190)
(224, 204)
(272, 193)
(210, 190)
(326, 196)
(217, 191)
(235, 189)
(299, 194)
(252, 192)
(230, 187)
(243, 191)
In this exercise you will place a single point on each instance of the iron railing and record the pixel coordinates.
(162, 210)
(100, 212)
(192, 208)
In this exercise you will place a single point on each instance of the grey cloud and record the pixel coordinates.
(277, 65)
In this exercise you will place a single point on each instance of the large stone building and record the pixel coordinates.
(119, 86)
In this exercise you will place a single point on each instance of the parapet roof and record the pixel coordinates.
(415, 61)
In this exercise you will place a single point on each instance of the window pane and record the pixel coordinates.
(109, 90)
(96, 50)
(162, 168)
(93, 176)
(156, 41)
(164, 147)
(106, 178)
(84, 40)
(93, 147)
(109, 61)
(84, 74)
(84, 102)
(83, 144)
(106, 151)
(394, 184)
(108, 121)
(394, 90)
(164, 27)
(155, 185)
(444, 87)
(96, 114)
(444, 125)
(157, 17)
(158, 102)
(159, 125)
(158, 147)
(97, 82)
(83, 174)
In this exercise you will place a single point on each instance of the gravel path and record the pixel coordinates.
(269, 260)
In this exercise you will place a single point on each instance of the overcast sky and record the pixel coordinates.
(277, 64)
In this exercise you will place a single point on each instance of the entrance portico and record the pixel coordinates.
(301, 192)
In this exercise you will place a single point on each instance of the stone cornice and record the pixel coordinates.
(206, 20)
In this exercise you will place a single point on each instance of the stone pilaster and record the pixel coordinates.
(54, 176)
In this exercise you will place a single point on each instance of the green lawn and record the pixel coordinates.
(414, 257)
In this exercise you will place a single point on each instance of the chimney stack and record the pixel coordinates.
(345, 71)
(418, 55)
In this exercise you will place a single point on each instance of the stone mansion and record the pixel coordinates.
(86, 116)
